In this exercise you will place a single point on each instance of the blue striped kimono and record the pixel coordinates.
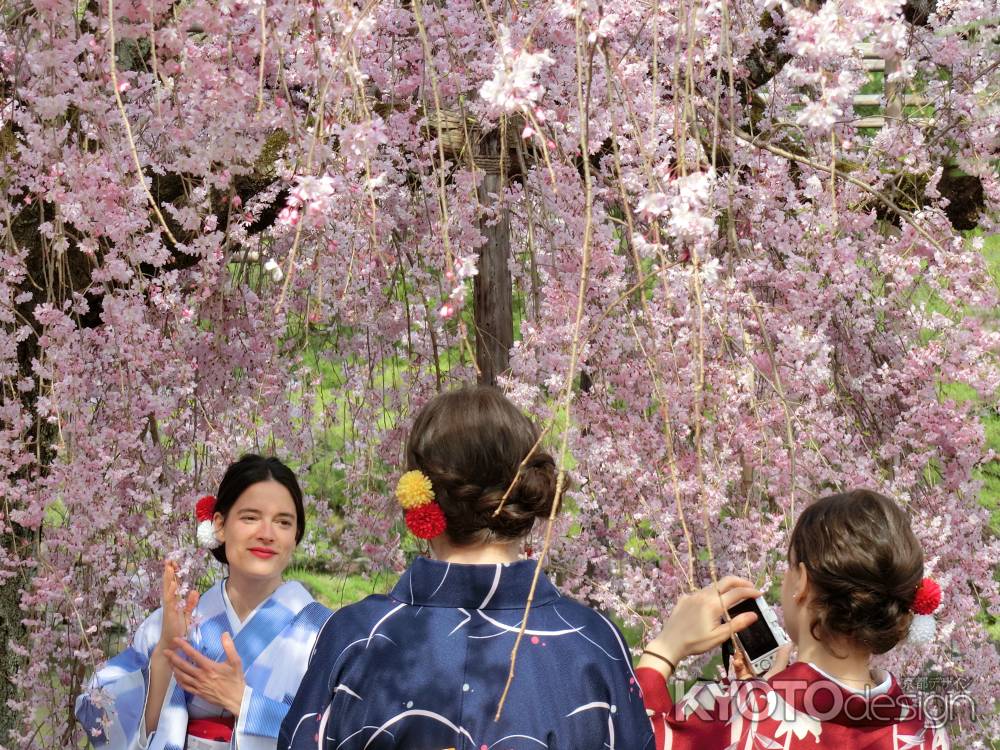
(424, 667)
(273, 643)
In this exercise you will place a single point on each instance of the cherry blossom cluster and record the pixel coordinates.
(514, 86)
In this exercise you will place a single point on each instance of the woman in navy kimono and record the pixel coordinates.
(425, 666)
(217, 672)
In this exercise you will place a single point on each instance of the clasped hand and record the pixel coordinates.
(220, 683)
(217, 682)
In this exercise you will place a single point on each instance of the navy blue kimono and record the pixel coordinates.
(424, 667)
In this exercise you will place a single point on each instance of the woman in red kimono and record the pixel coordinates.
(852, 587)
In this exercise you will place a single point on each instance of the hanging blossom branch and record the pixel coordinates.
(116, 88)
(584, 78)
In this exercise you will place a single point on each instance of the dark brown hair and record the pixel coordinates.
(251, 469)
(470, 443)
(864, 566)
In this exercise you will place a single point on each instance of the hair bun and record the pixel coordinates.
(874, 617)
(507, 511)
(536, 485)
(864, 563)
(472, 443)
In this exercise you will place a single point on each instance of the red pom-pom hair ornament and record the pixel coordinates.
(925, 601)
(204, 511)
(426, 521)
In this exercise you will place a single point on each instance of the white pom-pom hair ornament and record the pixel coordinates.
(922, 630)
(206, 535)
(204, 511)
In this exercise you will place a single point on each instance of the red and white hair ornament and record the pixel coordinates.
(204, 511)
(925, 601)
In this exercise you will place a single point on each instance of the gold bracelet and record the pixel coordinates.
(673, 667)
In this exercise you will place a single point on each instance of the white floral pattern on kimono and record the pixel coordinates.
(798, 708)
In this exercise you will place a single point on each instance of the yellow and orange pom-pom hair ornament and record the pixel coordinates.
(424, 517)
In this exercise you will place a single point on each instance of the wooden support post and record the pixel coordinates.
(494, 308)
(893, 91)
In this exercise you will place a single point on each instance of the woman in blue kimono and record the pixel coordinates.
(425, 666)
(217, 671)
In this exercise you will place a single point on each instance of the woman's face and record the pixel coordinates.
(259, 531)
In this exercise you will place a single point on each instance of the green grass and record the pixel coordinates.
(989, 473)
(991, 251)
(336, 591)
(988, 410)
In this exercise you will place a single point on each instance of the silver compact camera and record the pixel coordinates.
(761, 640)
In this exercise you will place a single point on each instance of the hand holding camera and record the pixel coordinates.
(697, 624)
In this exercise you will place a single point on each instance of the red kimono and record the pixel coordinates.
(796, 709)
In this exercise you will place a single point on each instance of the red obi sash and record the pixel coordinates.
(210, 734)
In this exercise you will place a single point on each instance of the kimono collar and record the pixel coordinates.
(794, 683)
(435, 583)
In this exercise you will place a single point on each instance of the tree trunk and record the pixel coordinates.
(494, 309)
(11, 631)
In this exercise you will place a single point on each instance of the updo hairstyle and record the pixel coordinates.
(470, 443)
(249, 470)
(864, 566)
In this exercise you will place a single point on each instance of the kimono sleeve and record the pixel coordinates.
(113, 705)
(676, 729)
(628, 725)
(304, 725)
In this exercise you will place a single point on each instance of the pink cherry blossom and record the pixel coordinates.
(514, 84)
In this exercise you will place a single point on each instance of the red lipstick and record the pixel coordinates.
(263, 552)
